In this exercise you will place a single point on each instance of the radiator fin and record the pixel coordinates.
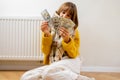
(20, 39)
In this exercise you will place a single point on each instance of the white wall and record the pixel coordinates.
(99, 26)
(100, 32)
(29, 7)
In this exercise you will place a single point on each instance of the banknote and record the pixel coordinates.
(46, 15)
(67, 23)
(64, 22)
(56, 21)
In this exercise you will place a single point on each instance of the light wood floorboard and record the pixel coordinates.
(102, 75)
(15, 75)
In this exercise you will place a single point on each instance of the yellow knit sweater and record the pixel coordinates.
(72, 47)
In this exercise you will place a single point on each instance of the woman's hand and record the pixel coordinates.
(65, 34)
(45, 28)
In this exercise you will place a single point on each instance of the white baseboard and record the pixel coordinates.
(27, 65)
(100, 69)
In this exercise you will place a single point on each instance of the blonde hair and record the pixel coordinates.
(70, 8)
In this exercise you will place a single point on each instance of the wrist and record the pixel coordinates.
(67, 41)
(46, 34)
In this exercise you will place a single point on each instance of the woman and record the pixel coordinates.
(60, 48)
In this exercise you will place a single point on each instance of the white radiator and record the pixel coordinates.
(20, 39)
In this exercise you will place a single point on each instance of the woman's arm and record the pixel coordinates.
(46, 44)
(72, 47)
(46, 38)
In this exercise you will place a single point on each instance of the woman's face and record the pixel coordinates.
(65, 14)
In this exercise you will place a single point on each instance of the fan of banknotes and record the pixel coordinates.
(58, 21)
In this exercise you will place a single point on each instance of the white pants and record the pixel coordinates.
(67, 69)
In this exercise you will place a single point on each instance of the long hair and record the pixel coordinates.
(70, 8)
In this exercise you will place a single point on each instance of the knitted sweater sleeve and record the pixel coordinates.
(72, 47)
(46, 44)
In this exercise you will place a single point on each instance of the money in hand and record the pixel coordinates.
(67, 23)
(46, 15)
(56, 21)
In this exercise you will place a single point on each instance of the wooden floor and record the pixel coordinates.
(15, 75)
(102, 76)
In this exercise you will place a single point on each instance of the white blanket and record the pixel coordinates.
(66, 69)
